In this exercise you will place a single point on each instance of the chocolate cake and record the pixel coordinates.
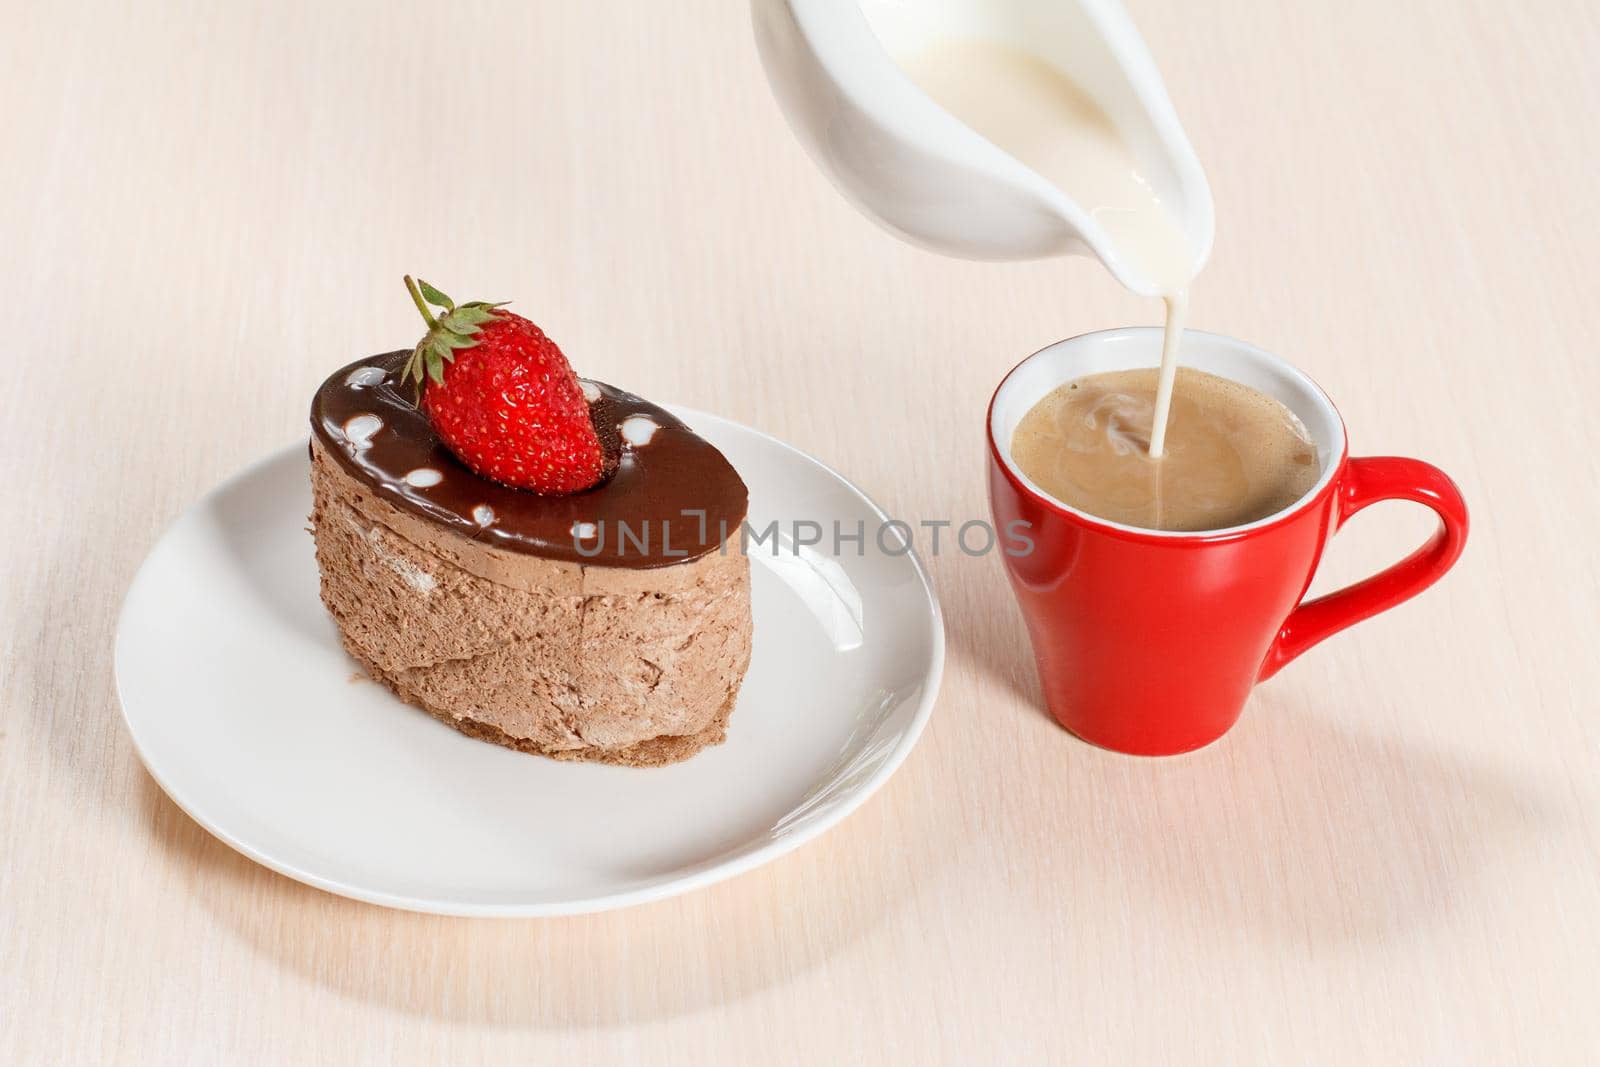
(612, 624)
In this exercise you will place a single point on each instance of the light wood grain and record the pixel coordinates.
(1393, 858)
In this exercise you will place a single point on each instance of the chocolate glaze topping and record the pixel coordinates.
(365, 418)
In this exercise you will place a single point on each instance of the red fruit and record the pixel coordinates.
(503, 398)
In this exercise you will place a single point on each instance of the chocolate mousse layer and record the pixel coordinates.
(673, 498)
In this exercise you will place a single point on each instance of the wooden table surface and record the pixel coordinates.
(1393, 858)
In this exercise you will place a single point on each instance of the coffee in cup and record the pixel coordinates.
(1233, 454)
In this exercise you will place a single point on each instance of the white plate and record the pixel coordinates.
(249, 714)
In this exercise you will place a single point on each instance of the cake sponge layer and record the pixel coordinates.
(624, 665)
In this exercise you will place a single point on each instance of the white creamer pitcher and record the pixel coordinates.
(931, 179)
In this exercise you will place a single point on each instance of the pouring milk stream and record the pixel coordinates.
(1023, 95)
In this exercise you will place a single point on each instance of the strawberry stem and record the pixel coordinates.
(455, 328)
(416, 298)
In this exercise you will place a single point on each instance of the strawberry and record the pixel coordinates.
(502, 397)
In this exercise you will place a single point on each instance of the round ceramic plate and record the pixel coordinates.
(247, 711)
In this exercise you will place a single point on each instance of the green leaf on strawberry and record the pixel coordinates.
(434, 296)
(456, 328)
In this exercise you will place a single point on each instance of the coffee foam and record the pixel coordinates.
(1234, 455)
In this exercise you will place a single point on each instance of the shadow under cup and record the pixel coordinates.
(1149, 641)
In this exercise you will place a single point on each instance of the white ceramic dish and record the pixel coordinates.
(248, 713)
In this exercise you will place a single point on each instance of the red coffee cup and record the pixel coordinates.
(1149, 642)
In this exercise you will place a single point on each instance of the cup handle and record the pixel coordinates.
(1368, 481)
